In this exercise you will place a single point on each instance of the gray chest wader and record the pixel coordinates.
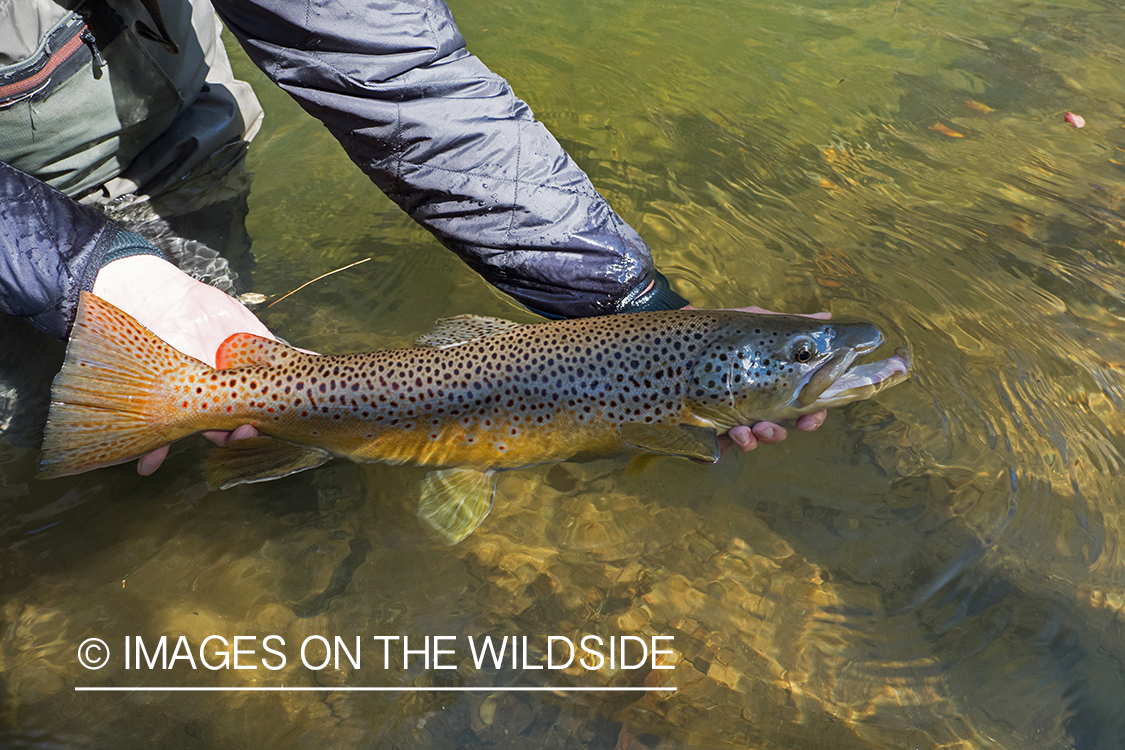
(80, 109)
(93, 113)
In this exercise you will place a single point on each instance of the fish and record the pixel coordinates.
(473, 397)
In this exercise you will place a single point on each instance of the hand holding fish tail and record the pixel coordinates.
(192, 316)
(748, 437)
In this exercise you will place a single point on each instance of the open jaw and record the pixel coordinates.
(864, 381)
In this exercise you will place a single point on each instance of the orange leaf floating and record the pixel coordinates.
(1077, 121)
(946, 131)
(984, 109)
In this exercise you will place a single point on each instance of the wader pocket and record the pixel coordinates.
(78, 110)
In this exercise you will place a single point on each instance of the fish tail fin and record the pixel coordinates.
(102, 401)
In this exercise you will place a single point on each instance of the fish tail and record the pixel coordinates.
(105, 400)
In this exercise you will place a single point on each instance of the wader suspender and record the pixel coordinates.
(160, 36)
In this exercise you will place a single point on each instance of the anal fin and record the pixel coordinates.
(689, 441)
(258, 459)
(456, 501)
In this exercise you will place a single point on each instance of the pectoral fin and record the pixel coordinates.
(689, 441)
(257, 460)
(458, 330)
(456, 501)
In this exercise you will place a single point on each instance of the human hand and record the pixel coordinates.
(748, 437)
(191, 316)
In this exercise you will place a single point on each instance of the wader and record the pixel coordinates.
(131, 105)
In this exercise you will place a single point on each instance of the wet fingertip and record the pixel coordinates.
(811, 422)
(218, 437)
(242, 432)
(150, 462)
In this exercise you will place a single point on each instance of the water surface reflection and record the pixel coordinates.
(941, 567)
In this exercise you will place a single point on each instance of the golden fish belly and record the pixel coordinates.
(487, 431)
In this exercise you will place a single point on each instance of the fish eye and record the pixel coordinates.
(804, 351)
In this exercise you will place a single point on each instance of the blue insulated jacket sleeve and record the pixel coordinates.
(51, 248)
(447, 140)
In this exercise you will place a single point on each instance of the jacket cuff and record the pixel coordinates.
(659, 297)
(127, 244)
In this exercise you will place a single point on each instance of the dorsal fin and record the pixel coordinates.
(464, 328)
(248, 350)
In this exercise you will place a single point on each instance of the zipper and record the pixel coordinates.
(99, 61)
(74, 34)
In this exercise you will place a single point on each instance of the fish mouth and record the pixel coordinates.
(854, 340)
(825, 375)
(842, 385)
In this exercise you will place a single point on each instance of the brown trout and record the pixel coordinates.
(477, 395)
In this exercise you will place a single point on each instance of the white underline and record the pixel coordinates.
(346, 689)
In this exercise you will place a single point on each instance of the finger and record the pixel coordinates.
(743, 438)
(810, 422)
(768, 432)
(223, 437)
(150, 462)
(218, 437)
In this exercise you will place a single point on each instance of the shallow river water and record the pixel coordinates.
(939, 567)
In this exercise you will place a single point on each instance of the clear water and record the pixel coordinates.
(941, 567)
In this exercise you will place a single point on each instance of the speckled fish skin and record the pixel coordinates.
(527, 395)
(536, 393)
